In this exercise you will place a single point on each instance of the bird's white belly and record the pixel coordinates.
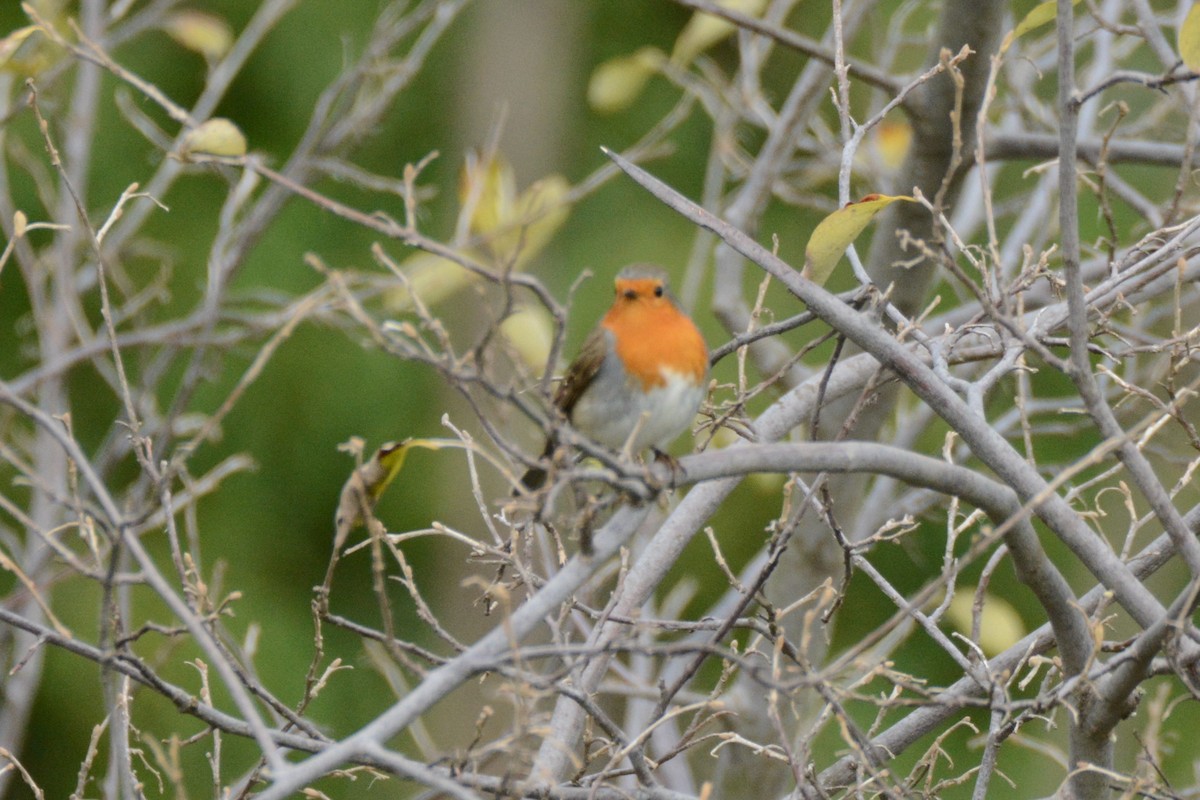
(609, 412)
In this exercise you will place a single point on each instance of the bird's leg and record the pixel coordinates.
(677, 472)
(535, 477)
(627, 448)
(587, 524)
(589, 516)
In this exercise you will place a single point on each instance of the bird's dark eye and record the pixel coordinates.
(630, 294)
(658, 291)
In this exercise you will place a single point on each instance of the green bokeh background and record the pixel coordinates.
(268, 532)
(271, 530)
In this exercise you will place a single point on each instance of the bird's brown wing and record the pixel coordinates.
(579, 375)
(582, 370)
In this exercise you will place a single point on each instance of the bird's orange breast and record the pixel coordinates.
(651, 337)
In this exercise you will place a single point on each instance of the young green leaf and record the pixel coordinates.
(618, 82)
(838, 231)
(215, 137)
(704, 30)
(367, 483)
(1000, 625)
(1038, 16)
(1189, 39)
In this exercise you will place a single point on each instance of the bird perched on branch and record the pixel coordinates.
(641, 374)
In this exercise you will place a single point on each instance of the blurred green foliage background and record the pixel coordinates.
(271, 530)
(519, 67)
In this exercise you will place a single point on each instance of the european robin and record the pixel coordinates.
(641, 374)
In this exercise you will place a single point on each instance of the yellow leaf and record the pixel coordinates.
(384, 466)
(491, 186)
(200, 32)
(388, 460)
(1038, 16)
(530, 330)
(704, 30)
(10, 44)
(616, 83)
(431, 278)
(367, 483)
(216, 137)
(24, 54)
(515, 227)
(49, 9)
(892, 140)
(1189, 39)
(838, 231)
(534, 218)
(1000, 626)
